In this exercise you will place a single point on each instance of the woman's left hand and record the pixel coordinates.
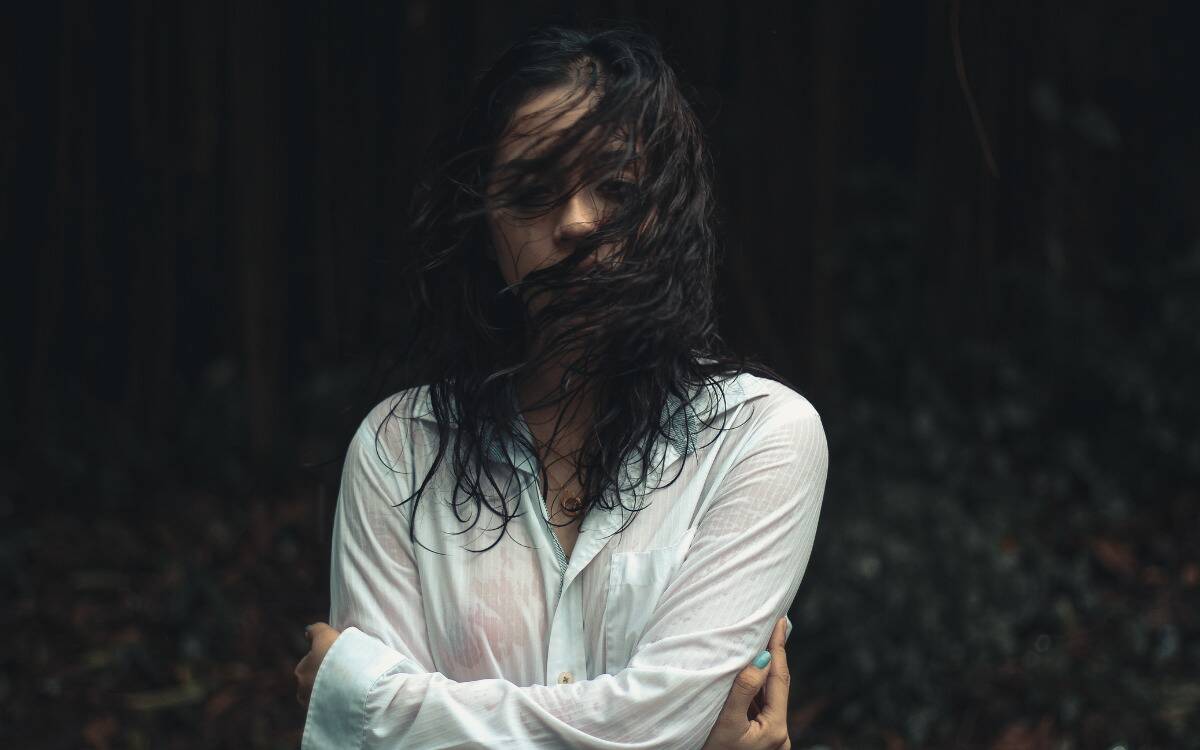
(320, 637)
(755, 713)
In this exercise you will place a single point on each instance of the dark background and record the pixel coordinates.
(202, 211)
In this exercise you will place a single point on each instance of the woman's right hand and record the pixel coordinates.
(755, 713)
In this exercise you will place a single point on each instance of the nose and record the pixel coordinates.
(579, 217)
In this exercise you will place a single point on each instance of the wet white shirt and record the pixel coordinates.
(633, 642)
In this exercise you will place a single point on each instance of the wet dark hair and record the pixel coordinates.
(638, 328)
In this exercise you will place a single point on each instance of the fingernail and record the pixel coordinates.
(763, 659)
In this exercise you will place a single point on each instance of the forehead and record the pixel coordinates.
(538, 121)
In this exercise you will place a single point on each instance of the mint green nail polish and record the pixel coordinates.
(762, 659)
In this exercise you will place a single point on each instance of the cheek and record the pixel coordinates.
(508, 258)
(521, 249)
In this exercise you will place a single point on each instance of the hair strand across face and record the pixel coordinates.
(636, 331)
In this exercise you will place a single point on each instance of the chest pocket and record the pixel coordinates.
(636, 581)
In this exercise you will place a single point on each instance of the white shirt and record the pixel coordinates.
(632, 643)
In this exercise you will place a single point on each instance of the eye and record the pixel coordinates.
(533, 194)
(619, 189)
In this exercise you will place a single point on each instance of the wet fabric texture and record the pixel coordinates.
(632, 642)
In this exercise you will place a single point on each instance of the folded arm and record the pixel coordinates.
(371, 564)
(375, 690)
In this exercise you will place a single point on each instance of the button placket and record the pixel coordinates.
(566, 657)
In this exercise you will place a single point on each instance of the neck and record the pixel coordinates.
(555, 417)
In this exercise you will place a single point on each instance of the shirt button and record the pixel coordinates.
(565, 677)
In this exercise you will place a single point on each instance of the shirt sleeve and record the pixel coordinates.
(740, 576)
(374, 583)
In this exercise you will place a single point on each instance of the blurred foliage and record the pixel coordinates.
(1021, 568)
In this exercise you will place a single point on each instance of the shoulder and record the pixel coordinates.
(394, 421)
(409, 404)
(772, 402)
(779, 422)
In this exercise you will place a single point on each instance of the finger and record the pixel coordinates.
(748, 683)
(760, 696)
(323, 633)
(778, 680)
(756, 706)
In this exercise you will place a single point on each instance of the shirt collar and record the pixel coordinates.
(707, 404)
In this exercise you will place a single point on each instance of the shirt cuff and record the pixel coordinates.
(337, 707)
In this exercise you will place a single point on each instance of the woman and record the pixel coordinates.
(650, 502)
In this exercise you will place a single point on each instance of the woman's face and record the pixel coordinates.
(521, 244)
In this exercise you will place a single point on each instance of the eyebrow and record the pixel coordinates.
(612, 156)
(618, 146)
